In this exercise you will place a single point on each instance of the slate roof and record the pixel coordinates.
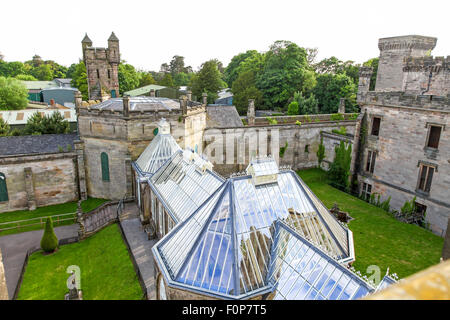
(143, 90)
(47, 143)
(222, 116)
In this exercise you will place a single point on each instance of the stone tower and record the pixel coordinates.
(393, 51)
(102, 68)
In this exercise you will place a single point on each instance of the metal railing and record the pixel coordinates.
(56, 219)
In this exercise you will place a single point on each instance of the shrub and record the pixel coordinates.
(293, 108)
(320, 152)
(271, 120)
(49, 241)
(342, 131)
(69, 147)
(298, 123)
(244, 122)
(409, 207)
(307, 118)
(337, 117)
(353, 116)
(4, 128)
(340, 167)
(283, 150)
(385, 204)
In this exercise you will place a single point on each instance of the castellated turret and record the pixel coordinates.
(102, 68)
(392, 54)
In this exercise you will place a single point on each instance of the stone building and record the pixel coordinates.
(115, 133)
(38, 171)
(404, 141)
(102, 68)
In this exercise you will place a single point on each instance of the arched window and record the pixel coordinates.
(105, 166)
(3, 189)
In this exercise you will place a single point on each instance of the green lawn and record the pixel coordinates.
(69, 207)
(107, 272)
(379, 239)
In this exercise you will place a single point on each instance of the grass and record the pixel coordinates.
(379, 239)
(69, 207)
(107, 272)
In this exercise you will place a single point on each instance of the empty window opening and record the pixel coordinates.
(376, 126)
(425, 178)
(434, 136)
(370, 165)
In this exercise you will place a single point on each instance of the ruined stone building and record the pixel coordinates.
(404, 142)
(102, 68)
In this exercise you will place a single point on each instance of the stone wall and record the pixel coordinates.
(39, 180)
(302, 144)
(331, 141)
(426, 75)
(123, 138)
(400, 148)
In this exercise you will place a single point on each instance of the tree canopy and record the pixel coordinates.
(209, 80)
(13, 94)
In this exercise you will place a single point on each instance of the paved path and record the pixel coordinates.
(15, 246)
(141, 248)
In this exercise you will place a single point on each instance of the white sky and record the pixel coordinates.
(152, 32)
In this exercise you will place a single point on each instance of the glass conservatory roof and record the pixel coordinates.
(224, 248)
(183, 183)
(162, 147)
(385, 282)
(301, 271)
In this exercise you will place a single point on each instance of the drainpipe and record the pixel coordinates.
(429, 82)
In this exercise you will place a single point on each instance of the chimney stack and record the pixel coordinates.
(152, 92)
(189, 95)
(205, 98)
(126, 105)
(251, 112)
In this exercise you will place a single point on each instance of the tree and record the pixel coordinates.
(231, 72)
(182, 79)
(145, 79)
(330, 88)
(49, 124)
(306, 105)
(49, 241)
(283, 73)
(13, 94)
(128, 77)
(25, 77)
(209, 80)
(176, 65)
(71, 70)
(320, 152)
(79, 79)
(293, 108)
(340, 167)
(43, 72)
(167, 81)
(12, 69)
(4, 128)
(373, 63)
(244, 89)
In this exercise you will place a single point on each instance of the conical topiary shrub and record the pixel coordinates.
(49, 241)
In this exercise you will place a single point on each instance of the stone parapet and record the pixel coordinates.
(410, 42)
(427, 63)
(400, 98)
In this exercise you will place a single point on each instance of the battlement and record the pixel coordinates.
(427, 63)
(410, 42)
(406, 100)
(365, 72)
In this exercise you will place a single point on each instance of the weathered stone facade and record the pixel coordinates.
(124, 134)
(397, 125)
(39, 180)
(102, 68)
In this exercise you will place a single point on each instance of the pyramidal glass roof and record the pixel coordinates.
(224, 248)
(184, 182)
(160, 149)
(301, 271)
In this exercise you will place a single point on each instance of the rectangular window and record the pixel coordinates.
(98, 74)
(109, 74)
(433, 136)
(420, 208)
(376, 126)
(370, 165)
(425, 178)
(366, 191)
